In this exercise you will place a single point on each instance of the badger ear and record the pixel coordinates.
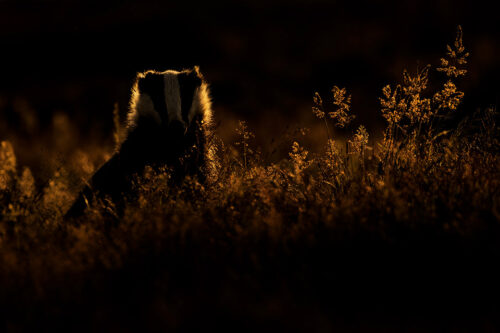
(142, 82)
(149, 82)
(191, 78)
(196, 71)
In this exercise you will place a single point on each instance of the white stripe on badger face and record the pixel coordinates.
(173, 97)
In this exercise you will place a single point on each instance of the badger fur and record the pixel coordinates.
(168, 124)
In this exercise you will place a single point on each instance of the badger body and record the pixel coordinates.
(168, 124)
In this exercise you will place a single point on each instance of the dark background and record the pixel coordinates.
(264, 59)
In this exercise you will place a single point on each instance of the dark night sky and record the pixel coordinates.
(263, 59)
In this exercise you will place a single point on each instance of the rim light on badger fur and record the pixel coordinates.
(181, 95)
(168, 124)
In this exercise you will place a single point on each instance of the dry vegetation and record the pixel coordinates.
(401, 234)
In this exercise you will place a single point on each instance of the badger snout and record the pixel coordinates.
(177, 128)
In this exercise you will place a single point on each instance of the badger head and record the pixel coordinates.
(172, 99)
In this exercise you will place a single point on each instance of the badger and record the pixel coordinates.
(168, 124)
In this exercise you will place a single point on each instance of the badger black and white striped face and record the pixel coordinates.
(170, 98)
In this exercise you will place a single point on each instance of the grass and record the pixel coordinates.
(396, 236)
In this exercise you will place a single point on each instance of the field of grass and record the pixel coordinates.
(402, 235)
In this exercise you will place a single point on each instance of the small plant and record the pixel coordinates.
(245, 137)
(359, 142)
(456, 58)
(298, 157)
(341, 115)
(411, 112)
(7, 165)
